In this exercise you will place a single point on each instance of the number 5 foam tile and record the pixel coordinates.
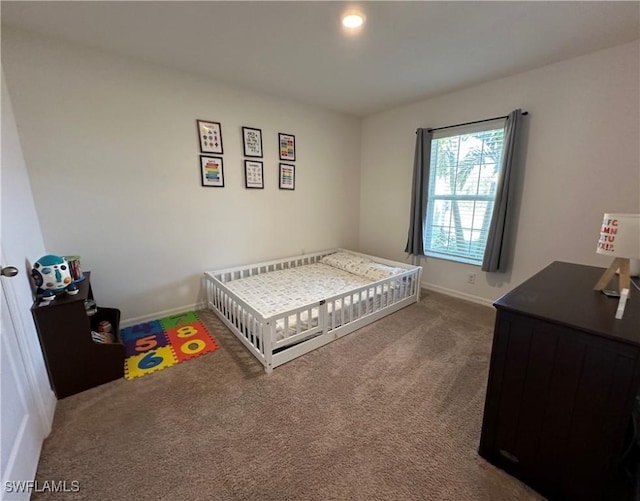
(146, 363)
(134, 347)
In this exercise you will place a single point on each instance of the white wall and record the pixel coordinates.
(582, 159)
(112, 152)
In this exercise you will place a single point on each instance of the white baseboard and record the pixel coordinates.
(460, 295)
(196, 306)
(50, 411)
(160, 314)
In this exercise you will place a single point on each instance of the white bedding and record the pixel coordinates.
(284, 290)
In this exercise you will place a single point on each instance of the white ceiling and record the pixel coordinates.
(407, 50)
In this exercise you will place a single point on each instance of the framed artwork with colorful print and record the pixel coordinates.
(210, 136)
(287, 146)
(287, 177)
(211, 171)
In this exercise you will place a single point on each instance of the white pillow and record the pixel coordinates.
(360, 265)
(378, 271)
(347, 262)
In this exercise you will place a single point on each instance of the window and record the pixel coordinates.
(463, 175)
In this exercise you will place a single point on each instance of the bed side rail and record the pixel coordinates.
(229, 274)
(373, 298)
(243, 320)
(389, 262)
(298, 324)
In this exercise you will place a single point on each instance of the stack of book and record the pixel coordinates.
(102, 337)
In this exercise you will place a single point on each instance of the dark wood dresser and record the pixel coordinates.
(562, 385)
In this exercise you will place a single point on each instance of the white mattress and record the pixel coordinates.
(283, 290)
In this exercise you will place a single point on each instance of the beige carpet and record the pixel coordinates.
(390, 412)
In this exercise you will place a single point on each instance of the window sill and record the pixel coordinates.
(455, 259)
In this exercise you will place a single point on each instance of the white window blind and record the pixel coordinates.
(465, 163)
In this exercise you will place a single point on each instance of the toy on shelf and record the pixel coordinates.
(52, 276)
(74, 268)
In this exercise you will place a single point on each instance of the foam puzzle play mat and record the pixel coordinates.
(158, 344)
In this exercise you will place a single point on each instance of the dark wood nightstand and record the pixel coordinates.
(74, 361)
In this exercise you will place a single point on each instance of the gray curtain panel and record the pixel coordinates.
(495, 254)
(419, 192)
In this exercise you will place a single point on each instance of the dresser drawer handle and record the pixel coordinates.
(509, 456)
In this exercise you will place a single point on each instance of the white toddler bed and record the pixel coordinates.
(283, 309)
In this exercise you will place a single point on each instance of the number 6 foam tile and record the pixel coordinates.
(146, 363)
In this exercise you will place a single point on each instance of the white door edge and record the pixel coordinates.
(45, 408)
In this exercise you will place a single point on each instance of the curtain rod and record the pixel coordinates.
(471, 123)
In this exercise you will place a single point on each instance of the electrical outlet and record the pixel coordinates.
(471, 278)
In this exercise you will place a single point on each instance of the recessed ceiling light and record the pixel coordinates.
(352, 19)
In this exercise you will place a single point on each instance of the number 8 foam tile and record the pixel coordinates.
(146, 363)
(191, 340)
(188, 348)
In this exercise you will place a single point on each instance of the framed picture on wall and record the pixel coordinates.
(287, 177)
(253, 174)
(252, 142)
(210, 136)
(211, 171)
(287, 146)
